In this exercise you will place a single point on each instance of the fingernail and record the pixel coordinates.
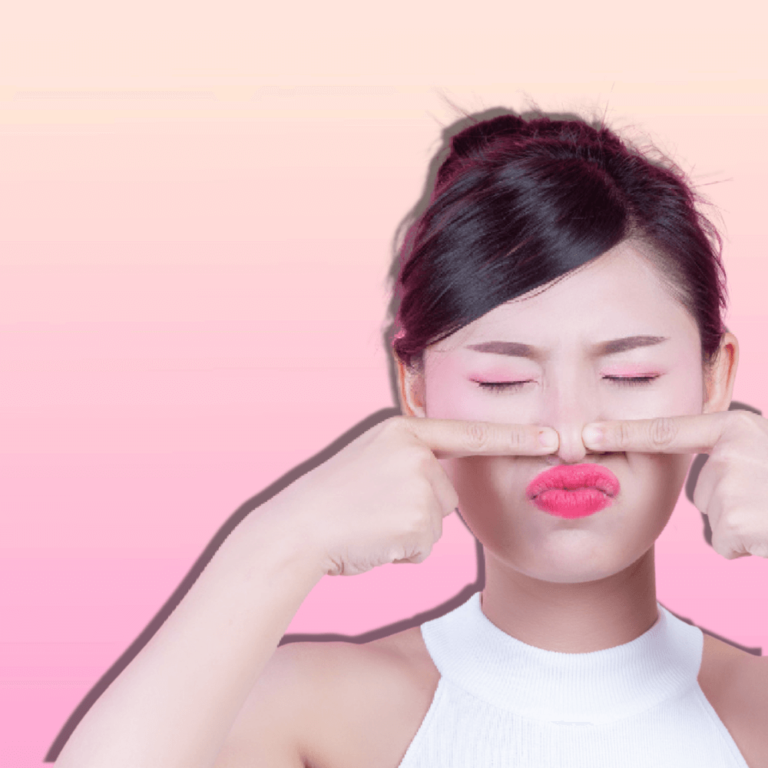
(548, 438)
(593, 435)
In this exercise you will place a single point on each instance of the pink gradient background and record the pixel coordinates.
(196, 216)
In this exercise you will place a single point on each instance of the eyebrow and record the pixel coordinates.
(603, 349)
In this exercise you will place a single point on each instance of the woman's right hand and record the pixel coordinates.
(383, 497)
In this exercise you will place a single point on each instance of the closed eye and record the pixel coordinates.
(629, 381)
(620, 381)
(501, 385)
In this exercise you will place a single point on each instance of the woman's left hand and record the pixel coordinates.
(732, 488)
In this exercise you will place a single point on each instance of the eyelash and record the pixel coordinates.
(621, 381)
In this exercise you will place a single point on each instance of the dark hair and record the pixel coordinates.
(518, 203)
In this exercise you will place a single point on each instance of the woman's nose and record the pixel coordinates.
(571, 449)
(568, 413)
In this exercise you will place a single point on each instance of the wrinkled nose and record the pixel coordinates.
(568, 410)
(571, 450)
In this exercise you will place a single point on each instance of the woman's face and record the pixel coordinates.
(567, 382)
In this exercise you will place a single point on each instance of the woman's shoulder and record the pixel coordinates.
(377, 694)
(735, 683)
(336, 704)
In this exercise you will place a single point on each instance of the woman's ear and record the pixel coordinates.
(411, 390)
(718, 384)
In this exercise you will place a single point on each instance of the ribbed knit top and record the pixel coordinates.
(501, 702)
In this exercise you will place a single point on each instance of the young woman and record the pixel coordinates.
(561, 356)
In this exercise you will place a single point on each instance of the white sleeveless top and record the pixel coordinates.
(502, 703)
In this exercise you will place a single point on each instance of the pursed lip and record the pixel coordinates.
(572, 477)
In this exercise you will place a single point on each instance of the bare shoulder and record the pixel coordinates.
(378, 694)
(323, 704)
(736, 685)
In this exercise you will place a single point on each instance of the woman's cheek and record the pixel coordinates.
(448, 398)
(466, 400)
(667, 407)
(488, 495)
(673, 395)
(657, 480)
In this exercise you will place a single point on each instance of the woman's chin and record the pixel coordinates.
(575, 558)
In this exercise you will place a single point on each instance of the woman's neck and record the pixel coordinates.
(572, 618)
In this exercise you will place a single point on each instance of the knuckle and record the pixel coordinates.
(699, 497)
(721, 544)
(410, 552)
(726, 540)
(421, 458)
(477, 436)
(392, 424)
(745, 418)
(729, 453)
(395, 553)
(751, 423)
(730, 526)
(421, 494)
(623, 435)
(518, 439)
(662, 432)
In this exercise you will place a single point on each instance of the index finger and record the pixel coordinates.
(666, 434)
(454, 438)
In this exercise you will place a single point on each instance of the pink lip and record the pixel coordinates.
(574, 490)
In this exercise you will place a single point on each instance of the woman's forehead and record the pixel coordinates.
(618, 294)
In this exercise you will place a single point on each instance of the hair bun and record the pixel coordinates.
(478, 136)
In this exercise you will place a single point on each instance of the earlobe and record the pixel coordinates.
(411, 391)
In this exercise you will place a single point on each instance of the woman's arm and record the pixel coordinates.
(381, 499)
(174, 704)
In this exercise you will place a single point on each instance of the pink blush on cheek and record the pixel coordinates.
(446, 393)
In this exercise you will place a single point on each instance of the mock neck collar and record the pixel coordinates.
(595, 687)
